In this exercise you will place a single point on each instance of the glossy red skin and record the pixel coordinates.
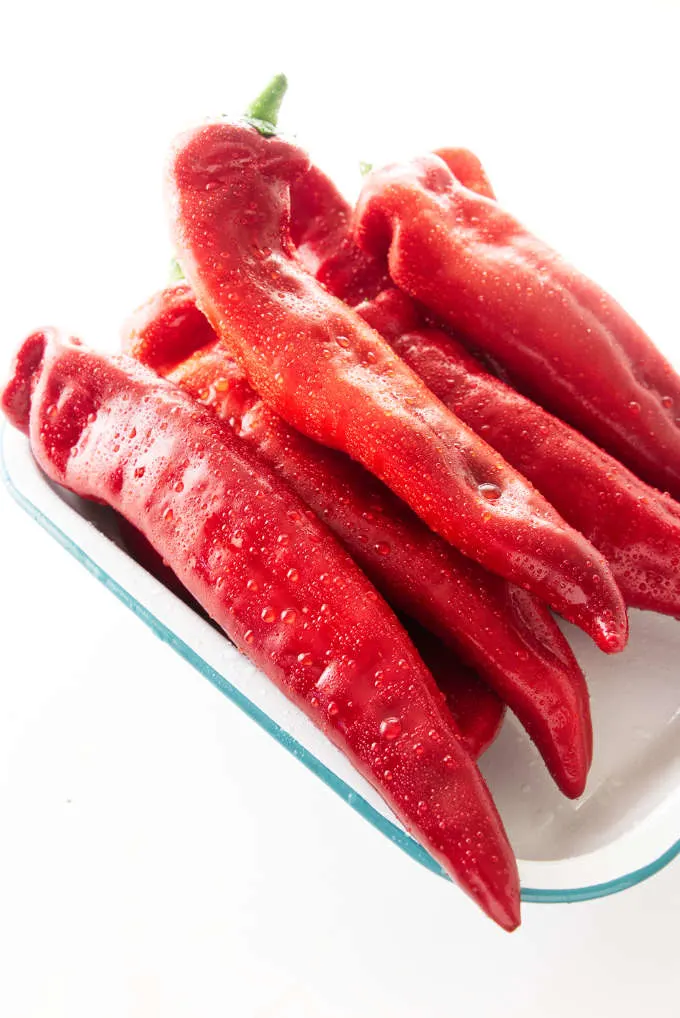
(635, 527)
(249, 551)
(475, 708)
(503, 631)
(166, 331)
(320, 228)
(467, 169)
(559, 337)
(315, 362)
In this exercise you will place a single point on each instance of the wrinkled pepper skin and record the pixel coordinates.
(504, 632)
(273, 577)
(635, 527)
(321, 368)
(558, 336)
(321, 229)
(474, 706)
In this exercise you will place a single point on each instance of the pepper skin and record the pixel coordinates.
(467, 169)
(475, 708)
(320, 228)
(271, 575)
(315, 362)
(504, 632)
(559, 338)
(635, 527)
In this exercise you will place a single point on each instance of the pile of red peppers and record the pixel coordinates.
(378, 447)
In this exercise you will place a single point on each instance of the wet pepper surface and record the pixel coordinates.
(503, 630)
(319, 365)
(277, 582)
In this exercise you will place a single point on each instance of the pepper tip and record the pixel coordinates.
(610, 636)
(15, 398)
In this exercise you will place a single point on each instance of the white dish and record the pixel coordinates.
(623, 829)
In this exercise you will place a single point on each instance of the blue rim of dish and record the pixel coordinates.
(400, 838)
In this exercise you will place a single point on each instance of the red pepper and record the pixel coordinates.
(320, 228)
(268, 572)
(320, 224)
(467, 169)
(476, 709)
(559, 337)
(635, 527)
(504, 632)
(316, 363)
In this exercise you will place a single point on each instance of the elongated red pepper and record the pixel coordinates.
(326, 372)
(503, 631)
(276, 581)
(476, 709)
(560, 338)
(635, 527)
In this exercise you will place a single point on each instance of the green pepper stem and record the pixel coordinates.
(268, 103)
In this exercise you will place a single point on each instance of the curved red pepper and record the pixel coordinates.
(475, 708)
(504, 632)
(326, 372)
(561, 339)
(275, 580)
(635, 527)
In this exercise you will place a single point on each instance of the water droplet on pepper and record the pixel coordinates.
(489, 491)
(390, 729)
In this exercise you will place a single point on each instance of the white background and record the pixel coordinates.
(159, 855)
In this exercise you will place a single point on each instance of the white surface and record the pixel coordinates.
(160, 855)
